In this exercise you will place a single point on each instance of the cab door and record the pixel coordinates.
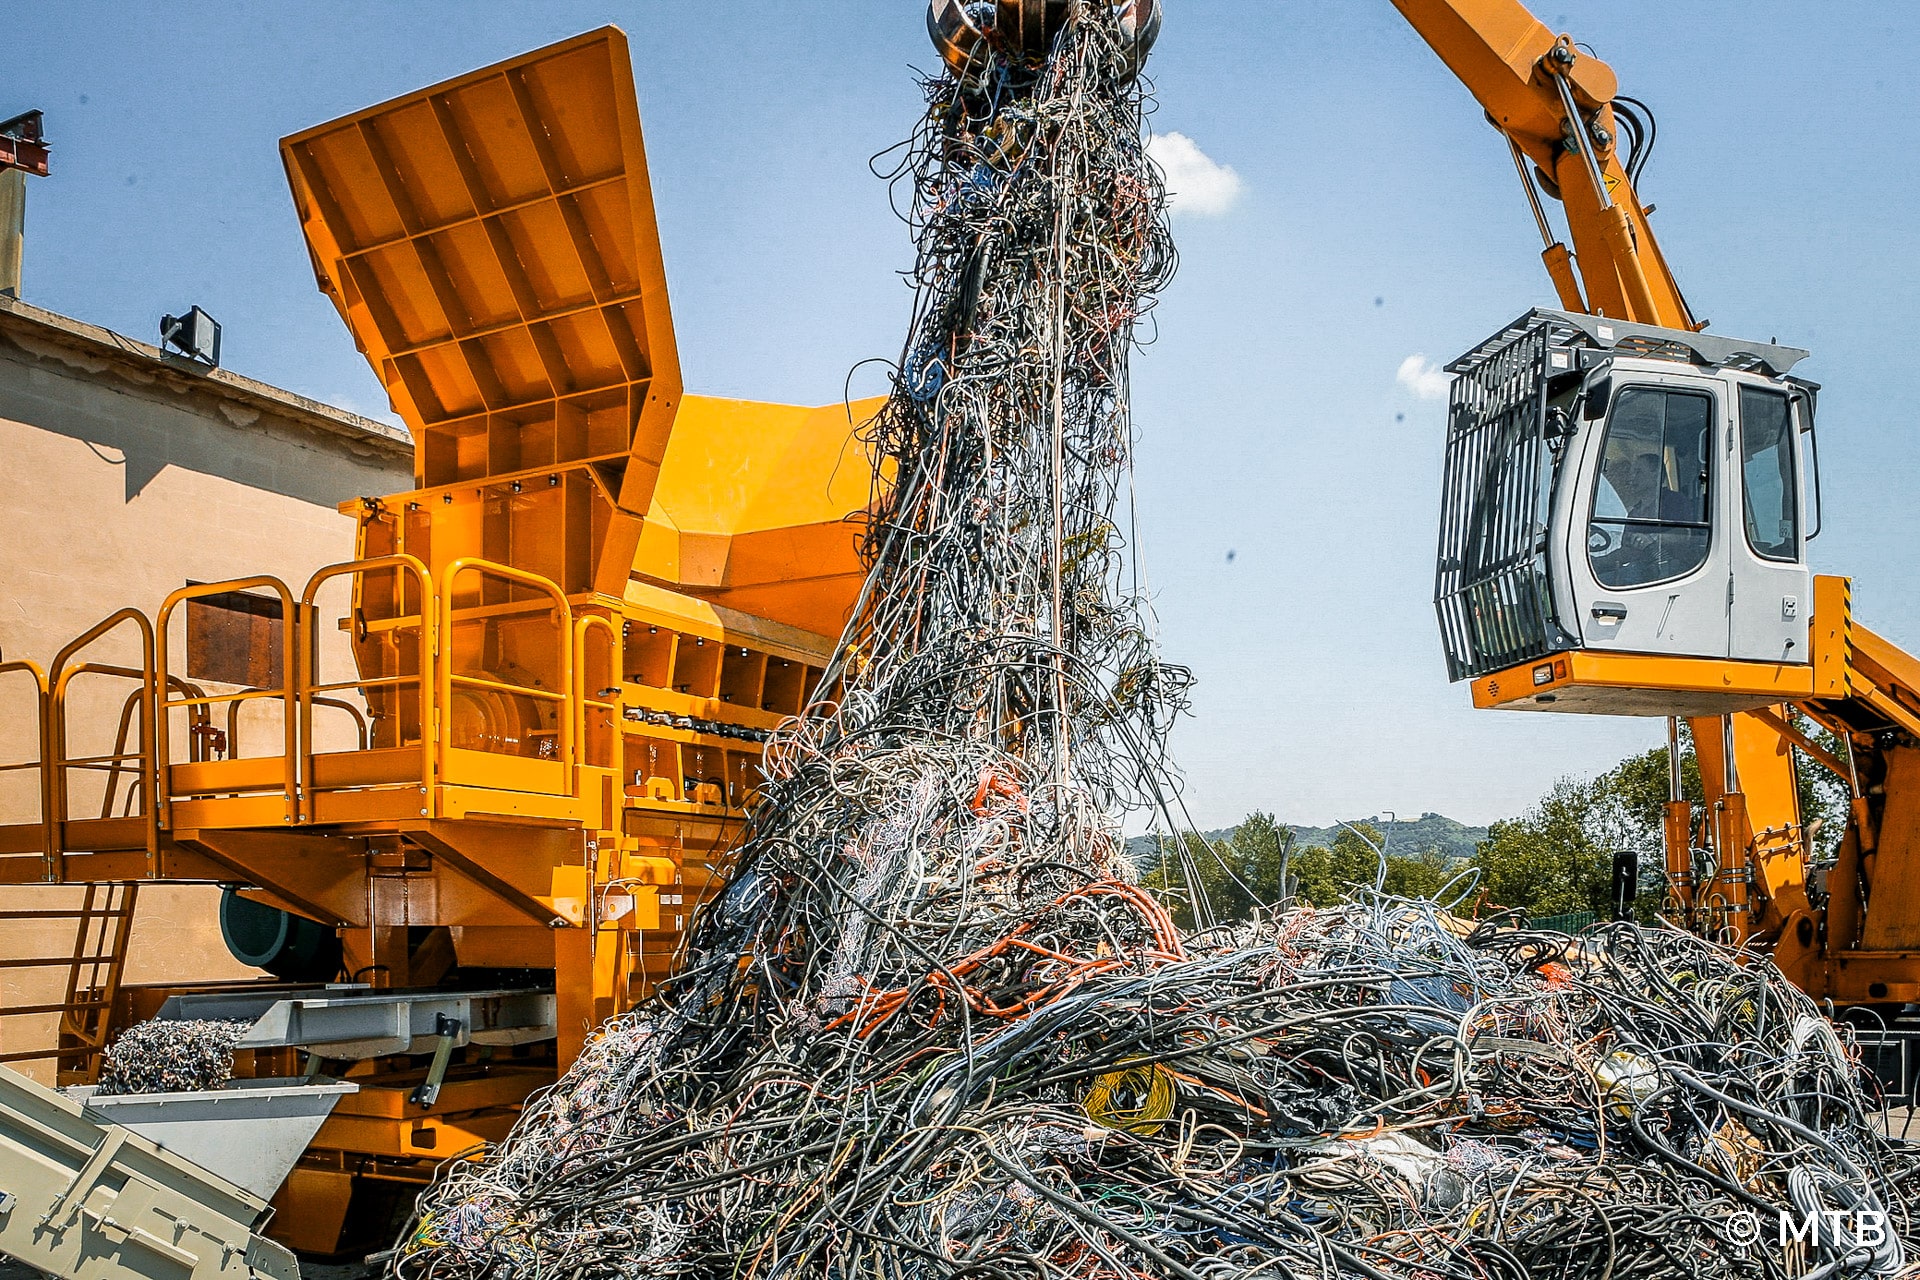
(1645, 567)
(1772, 587)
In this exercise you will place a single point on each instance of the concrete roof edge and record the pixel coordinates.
(233, 386)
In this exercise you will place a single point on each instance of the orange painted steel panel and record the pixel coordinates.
(751, 509)
(1891, 674)
(1832, 628)
(92, 835)
(491, 243)
(382, 804)
(504, 772)
(251, 773)
(488, 802)
(229, 811)
(389, 1100)
(1587, 681)
(1492, 46)
(23, 837)
(408, 1139)
(377, 767)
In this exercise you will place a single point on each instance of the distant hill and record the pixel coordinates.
(1454, 840)
(1428, 831)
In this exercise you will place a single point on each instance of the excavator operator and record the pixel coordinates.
(1650, 516)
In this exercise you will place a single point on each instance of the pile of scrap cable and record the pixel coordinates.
(1354, 1092)
(931, 1026)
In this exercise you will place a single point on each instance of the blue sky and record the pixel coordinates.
(1378, 218)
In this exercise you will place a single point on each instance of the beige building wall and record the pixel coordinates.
(124, 475)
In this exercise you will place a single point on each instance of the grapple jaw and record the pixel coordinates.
(968, 34)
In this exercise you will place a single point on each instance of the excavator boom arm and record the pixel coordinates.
(1554, 106)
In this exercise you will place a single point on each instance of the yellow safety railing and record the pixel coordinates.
(586, 725)
(562, 620)
(60, 677)
(42, 745)
(121, 760)
(289, 679)
(605, 701)
(353, 713)
(356, 570)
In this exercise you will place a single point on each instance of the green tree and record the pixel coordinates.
(1255, 855)
(1554, 859)
(1325, 875)
(1629, 804)
(1420, 875)
(1192, 869)
(1243, 872)
(1548, 860)
(1824, 796)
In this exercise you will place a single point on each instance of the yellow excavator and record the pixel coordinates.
(1624, 526)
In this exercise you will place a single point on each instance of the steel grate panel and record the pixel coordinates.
(1491, 590)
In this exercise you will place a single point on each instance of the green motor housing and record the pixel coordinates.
(290, 947)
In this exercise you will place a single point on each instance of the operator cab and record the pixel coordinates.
(1625, 519)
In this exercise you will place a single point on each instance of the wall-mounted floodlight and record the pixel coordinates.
(23, 151)
(195, 335)
(22, 144)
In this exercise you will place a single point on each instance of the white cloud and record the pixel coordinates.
(1196, 182)
(1424, 378)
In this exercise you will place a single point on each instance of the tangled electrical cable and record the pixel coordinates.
(932, 1027)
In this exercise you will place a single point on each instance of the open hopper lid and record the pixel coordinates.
(491, 243)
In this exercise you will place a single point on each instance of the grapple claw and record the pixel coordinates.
(965, 32)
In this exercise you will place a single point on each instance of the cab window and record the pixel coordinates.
(1770, 487)
(1651, 518)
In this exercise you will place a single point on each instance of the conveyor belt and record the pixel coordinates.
(358, 1022)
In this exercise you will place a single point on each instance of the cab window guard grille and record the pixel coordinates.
(1492, 591)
